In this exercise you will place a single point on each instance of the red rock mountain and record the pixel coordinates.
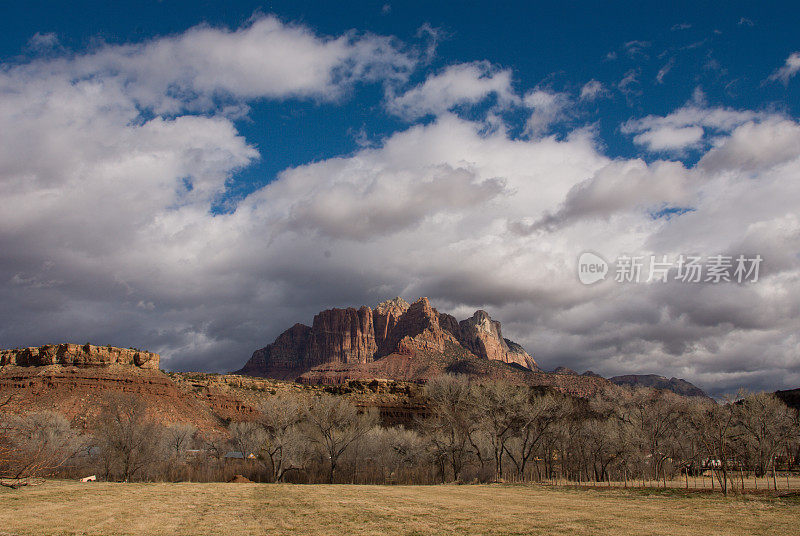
(348, 341)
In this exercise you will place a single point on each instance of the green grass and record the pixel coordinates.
(68, 508)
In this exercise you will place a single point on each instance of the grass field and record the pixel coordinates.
(61, 508)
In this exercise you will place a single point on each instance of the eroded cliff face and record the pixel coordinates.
(340, 337)
(285, 358)
(76, 381)
(417, 330)
(482, 336)
(517, 354)
(386, 316)
(343, 336)
(86, 355)
(336, 336)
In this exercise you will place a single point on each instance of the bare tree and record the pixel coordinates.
(35, 445)
(280, 418)
(453, 423)
(333, 424)
(766, 424)
(715, 424)
(179, 437)
(538, 414)
(247, 437)
(130, 441)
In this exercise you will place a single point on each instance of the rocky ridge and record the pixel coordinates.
(86, 355)
(350, 339)
(676, 385)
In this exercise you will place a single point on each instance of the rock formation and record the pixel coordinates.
(86, 355)
(76, 380)
(285, 358)
(517, 354)
(340, 337)
(483, 337)
(676, 385)
(417, 330)
(386, 316)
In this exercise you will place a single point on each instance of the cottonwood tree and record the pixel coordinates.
(500, 406)
(247, 437)
(35, 445)
(130, 441)
(392, 452)
(453, 423)
(179, 437)
(766, 425)
(715, 426)
(333, 425)
(280, 417)
(537, 416)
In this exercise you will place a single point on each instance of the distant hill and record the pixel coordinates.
(676, 385)
(351, 337)
(790, 397)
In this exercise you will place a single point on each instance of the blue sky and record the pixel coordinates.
(194, 177)
(727, 50)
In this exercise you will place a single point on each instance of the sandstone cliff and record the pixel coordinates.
(484, 338)
(386, 317)
(339, 339)
(285, 358)
(417, 330)
(343, 336)
(86, 355)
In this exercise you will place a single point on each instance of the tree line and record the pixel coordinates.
(474, 432)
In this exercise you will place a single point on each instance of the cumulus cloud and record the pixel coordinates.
(361, 202)
(789, 69)
(755, 146)
(547, 107)
(686, 127)
(108, 235)
(265, 59)
(457, 85)
(622, 186)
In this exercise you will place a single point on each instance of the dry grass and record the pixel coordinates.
(60, 508)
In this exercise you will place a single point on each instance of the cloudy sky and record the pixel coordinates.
(194, 178)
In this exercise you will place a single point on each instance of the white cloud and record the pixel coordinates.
(622, 186)
(789, 69)
(548, 107)
(457, 85)
(687, 127)
(636, 48)
(629, 81)
(664, 70)
(107, 233)
(265, 59)
(592, 90)
(755, 146)
(41, 42)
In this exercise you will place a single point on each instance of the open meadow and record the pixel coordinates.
(67, 508)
